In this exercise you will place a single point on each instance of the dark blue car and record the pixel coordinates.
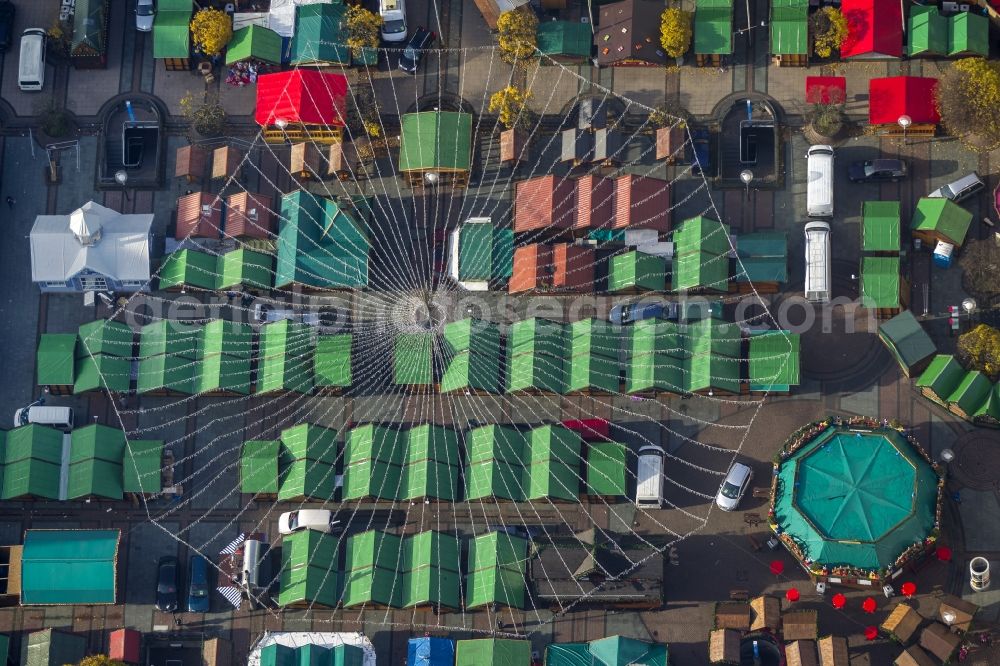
(198, 599)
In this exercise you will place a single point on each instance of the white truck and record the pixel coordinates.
(818, 278)
(57, 417)
(649, 478)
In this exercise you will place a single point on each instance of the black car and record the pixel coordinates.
(6, 24)
(421, 40)
(167, 576)
(874, 171)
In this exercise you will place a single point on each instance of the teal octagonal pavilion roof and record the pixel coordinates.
(856, 498)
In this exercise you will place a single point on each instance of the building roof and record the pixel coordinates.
(565, 38)
(301, 96)
(332, 360)
(874, 29)
(943, 218)
(857, 499)
(308, 569)
(895, 96)
(171, 34)
(773, 360)
(91, 238)
(102, 371)
(907, 339)
(789, 27)
(493, 652)
(188, 268)
(880, 282)
(713, 27)
(485, 252)
(52, 647)
(972, 391)
(826, 89)
(430, 651)
(54, 358)
(32, 459)
(607, 469)
(142, 462)
(630, 31)
(928, 31)
(439, 140)
(763, 257)
(69, 567)
(942, 376)
(622, 651)
(880, 226)
(902, 623)
(968, 34)
(104, 336)
(320, 35)
(413, 361)
(636, 269)
(254, 41)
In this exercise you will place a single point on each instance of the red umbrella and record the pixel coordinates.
(777, 566)
(868, 605)
(943, 553)
(908, 589)
(871, 633)
(792, 594)
(839, 600)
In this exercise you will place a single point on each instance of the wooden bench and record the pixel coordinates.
(762, 492)
(752, 519)
(739, 595)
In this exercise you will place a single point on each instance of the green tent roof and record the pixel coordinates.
(763, 257)
(880, 224)
(222, 373)
(32, 459)
(880, 282)
(593, 336)
(142, 462)
(906, 339)
(332, 360)
(485, 252)
(536, 335)
(968, 34)
(493, 652)
(712, 335)
(622, 651)
(373, 478)
(93, 477)
(373, 585)
(942, 217)
(653, 335)
(655, 371)
(432, 548)
(436, 140)
(104, 337)
(565, 38)
(431, 442)
(373, 548)
(254, 41)
(259, 466)
(102, 372)
(224, 337)
(308, 441)
(431, 586)
(55, 359)
(706, 371)
(320, 34)
(33, 441)
(789, 27)
(245, 268)
(308, 569)
(69, 567)
(497, 549)
(413, 360)
(495, 587)
(375, 442)
(928, 31)
(637, 270)
(551, 479)
(971, 392)
(472, 370)
(773, 361)
(279, 372)
(167, 336)
(942, 376)
(989, 411)
(51, 647)
(96, 441)
(188, 268)
(166, 373)
(535, 372)
(553, 442)
(856, 499)
(495, 442)
(701, 254)
(494, 478)
(589, 372)
(713, 27)
(171, 33)
(286, 338)
(607, 469)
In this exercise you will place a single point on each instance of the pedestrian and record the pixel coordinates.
(10, 202)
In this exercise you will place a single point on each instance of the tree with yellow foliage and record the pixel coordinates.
(510, 105)
(211, 30)
(363, 29)
(829, 28)
(968, 95)
(979, 349)
(99, 660)
(518, 36)
(675, 32)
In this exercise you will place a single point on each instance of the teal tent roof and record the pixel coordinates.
(69, 567)
(436, 140)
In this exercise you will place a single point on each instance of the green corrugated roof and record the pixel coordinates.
(254, 41)
(942, 216)
(223, 373)
(69, 567)
(713, 27)
(320, 244)
(51, 647)
(942, 376)
(188, 268)
(373, 548)
(320, 34)
(307, 478)
(789, 27)
(93, 477)
(968, 34)
(104, 337)
(332, 361)
(485, 252)
(259, 466)
(246, 268)
(928, 31)
(373, 478)
(55, 359)
(171, 33)
(141, 466)
(436, 140)
(224, 337)
(431, 585)
(971, 392)
(413, 361)
(856, 499)
(880, 282)
(880, 225)
(102, 372)
(607, 469)
(493, 652)
(493, 478)
(906, 339)
(622, 651)
(96, 441)
(774, 361)
(168, 336)
(565, 38)
(655, 371)
(495, 442)
(165, 372)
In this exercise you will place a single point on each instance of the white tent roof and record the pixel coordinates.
(282, 15)
(122, 252)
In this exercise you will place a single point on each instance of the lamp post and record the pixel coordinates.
(746, 176)
(432, 178)
(281, 123)
(904, 121)
(121, 177)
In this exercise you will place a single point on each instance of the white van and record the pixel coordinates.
(819, 195)
(31, 66)
(818, 276)
(58, 417)
(649, 477)
(393, 13)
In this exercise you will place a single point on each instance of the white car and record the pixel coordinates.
(393, 13)
(320, 520)
(734, 487)
(145, 13)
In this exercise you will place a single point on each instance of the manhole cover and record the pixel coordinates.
(976, 464)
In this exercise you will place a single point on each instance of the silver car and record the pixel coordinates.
(145, 14)
(734, 487)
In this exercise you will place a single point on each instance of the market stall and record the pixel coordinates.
(253, 50)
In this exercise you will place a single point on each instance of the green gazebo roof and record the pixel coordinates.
(171, 33)
(928, 31)
(436, 140)
(942, 376)
(713, 27)
(942, 217)
(565, 38)
(880, 226)
(789, 27)
(856, 498)
(880, 282)
(55, 359)
(773, 361)
(320, 34)
(254, 41)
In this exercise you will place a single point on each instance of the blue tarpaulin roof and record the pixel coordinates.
(426, 651)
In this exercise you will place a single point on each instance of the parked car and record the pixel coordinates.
(963, 188)
(320, 520)
(421, 40)
(265, 313)
(393, 13)
(734, 487)
(873, 171)
(167, 577)
(198, 590)
(7, 12)
(145, 13)
(624, 313)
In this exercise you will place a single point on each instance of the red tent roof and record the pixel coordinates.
(896, 96)
(874, 28)
(301, 96)
(826, 89)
